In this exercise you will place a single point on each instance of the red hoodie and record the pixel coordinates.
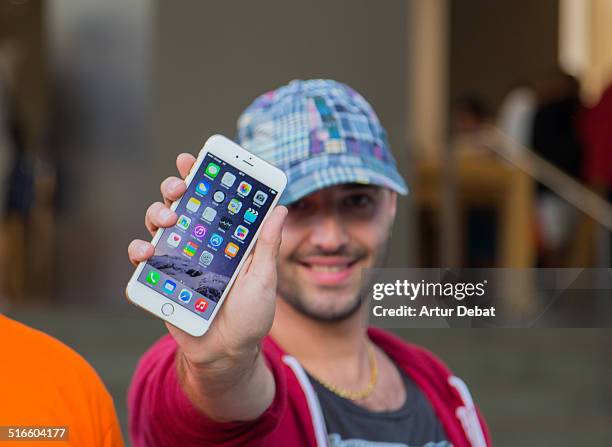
(162, 415)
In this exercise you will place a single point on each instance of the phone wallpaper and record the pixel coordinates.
(217, 218)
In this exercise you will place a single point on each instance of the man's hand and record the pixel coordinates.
(223, 372)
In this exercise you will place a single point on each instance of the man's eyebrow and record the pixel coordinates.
(358, 187)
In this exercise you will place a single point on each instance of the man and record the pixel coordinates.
(44, 383)
(311, 373)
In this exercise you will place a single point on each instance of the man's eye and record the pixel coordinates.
(358, 200)
(300, 205)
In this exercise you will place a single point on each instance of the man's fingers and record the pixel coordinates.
(139, 251)
(172, 189)
(159, 216)
(268, 244)
(184, 162)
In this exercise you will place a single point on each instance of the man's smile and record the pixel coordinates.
(328, 270)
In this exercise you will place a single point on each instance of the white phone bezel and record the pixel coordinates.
(234, 155)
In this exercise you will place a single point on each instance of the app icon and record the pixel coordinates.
(174, 239)
(183, 222)
(219, 196)
(225, 223)
(215, 240)
(203, 188)
(241, 232)
(193, 205)
(169, 286)
(206, 257)
(190, 248)
(185, 295)
(234, 206)
(228, 179)
(201, 305)
(199, 231)
(260, 198)
(209, 214)
(153, 277)
(250, 215)
(212, 170)
(244, 189)
(231, 249)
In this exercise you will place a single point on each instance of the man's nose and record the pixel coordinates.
(329, 232)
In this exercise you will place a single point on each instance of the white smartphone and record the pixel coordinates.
(230, 192)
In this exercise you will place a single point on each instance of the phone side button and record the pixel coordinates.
(167, 309)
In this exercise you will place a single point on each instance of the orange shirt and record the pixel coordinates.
(43, 382)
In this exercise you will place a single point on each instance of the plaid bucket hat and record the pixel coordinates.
(321, 133)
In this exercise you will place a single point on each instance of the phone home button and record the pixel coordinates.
(167, 309)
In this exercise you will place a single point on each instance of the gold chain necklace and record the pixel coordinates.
(365, 392)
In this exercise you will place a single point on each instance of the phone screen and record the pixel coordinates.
(217, 217)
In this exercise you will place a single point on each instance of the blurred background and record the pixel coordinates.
(499, 114)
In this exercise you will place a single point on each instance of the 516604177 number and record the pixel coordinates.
(34, 433)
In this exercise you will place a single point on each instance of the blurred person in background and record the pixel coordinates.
(471, 120)
(596, 132)
(293, 363)
(470, 114)
(17, 177)
(44, 383)
(516, 113)
(6, 148)
(6, 151)
(555, 138)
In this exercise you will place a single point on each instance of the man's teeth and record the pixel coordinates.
(328, 268)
